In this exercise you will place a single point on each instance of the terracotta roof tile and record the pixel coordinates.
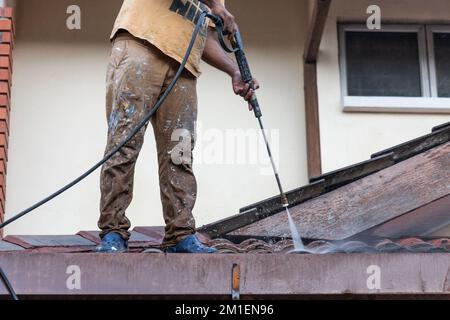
(322, 246)
(85, 241)
(6, 246)
(387, 245)
(137, 239)
(441, 243)
(32, 241)
(356, 247)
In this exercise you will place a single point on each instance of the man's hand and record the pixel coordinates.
(216, 56)
(243, 89)
(217, 8)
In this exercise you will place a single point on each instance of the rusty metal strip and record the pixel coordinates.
(236, 282)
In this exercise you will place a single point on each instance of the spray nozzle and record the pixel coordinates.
(284, 201)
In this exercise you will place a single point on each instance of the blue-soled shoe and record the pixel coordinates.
(191, 244)
(112, 242)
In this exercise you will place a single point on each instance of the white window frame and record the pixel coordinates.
(428, 103)
(431, 29)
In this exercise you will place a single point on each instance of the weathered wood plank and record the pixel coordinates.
(312, 124)
(316, 29)
(319, 185)
(314, 37)
(419, 145)
(420, 222)
(368, 202)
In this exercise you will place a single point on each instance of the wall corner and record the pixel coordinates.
(6, 62)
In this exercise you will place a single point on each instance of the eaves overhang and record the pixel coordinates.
(210, 276)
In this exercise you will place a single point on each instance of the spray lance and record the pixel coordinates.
(246, 74)
(244, 68)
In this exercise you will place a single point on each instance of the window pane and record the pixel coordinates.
(383, 64)
(442, 60)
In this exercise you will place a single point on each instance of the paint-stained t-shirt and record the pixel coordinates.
(166, 24)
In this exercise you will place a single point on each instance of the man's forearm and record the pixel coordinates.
(215, 56)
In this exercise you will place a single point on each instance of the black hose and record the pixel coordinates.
(8, 285)
(143, 123)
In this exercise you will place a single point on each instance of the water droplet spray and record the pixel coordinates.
(298, 244)
(295, 234)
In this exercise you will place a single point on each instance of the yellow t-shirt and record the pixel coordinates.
(167, 24)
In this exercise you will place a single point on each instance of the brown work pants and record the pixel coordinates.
(138, 73)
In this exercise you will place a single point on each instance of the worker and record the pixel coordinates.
(149, 41)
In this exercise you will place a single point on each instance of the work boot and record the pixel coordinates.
(112, 242)
(191, 244)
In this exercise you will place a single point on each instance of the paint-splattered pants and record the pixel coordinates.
(138, 74)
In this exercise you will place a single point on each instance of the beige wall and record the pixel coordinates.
(351, 137)
(58, 125)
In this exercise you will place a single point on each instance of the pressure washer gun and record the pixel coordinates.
(241, 59)
(246, 74)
